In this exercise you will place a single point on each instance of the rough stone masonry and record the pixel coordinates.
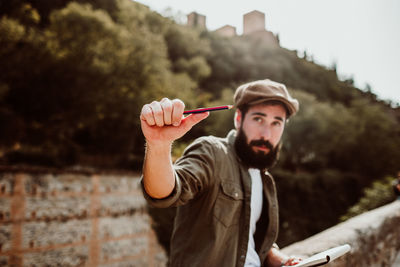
(374, 237)
(73, 219)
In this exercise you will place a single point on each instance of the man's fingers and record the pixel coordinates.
(158, 113)
(147, 115)
(166, 106)
(292, 261)
(177, 111)
(165, 112)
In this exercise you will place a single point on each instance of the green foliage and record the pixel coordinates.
(91, 69)
(312, 202)
(219, 123)
(325, 135)
(96, 70)
(378, 194)
(377, 136)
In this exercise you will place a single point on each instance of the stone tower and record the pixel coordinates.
(254, 27)
(196, 20)
(226, 31)
(253, 21)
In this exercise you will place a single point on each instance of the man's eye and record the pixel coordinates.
(277, 123)
(258, 119)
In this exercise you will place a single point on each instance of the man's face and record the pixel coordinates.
(259, 134)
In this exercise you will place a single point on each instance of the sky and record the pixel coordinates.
(362, 37)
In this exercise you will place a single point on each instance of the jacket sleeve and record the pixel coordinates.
(193, 174)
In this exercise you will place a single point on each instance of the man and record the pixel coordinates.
(227, 211)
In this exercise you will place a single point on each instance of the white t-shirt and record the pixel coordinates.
(252, 258)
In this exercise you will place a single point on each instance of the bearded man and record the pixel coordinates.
(227, 211)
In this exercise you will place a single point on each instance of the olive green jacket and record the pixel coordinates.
(213, 192)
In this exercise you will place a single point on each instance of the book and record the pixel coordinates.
(324, 257)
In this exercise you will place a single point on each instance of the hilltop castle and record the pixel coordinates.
(253, 26)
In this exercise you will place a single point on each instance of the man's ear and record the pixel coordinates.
(238, 119)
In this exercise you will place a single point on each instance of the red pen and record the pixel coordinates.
(201, 110)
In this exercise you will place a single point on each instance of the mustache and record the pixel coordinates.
(261, 142)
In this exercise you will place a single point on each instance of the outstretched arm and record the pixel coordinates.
(162, 123)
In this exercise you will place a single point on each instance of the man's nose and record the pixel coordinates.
(266, 133)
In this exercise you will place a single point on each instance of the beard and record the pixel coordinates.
(253, 159)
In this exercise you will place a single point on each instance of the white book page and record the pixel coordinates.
(324, 257)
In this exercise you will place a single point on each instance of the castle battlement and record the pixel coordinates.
(253, 27)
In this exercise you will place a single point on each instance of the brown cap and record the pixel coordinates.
(262, 91)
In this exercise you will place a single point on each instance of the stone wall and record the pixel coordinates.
(75, 219)
(374, 237)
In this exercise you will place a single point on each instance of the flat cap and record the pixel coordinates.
(261, 91)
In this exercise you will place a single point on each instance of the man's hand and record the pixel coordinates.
(277, 259)
(162, 121)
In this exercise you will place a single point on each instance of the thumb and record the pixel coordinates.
(193, 119)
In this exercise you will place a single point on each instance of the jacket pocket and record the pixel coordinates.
(229, 204)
